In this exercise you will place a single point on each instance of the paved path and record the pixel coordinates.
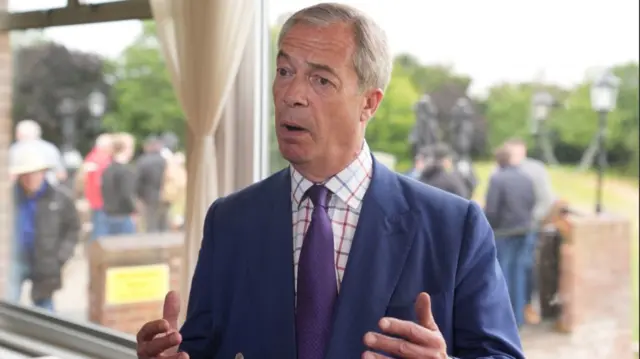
(71, 301)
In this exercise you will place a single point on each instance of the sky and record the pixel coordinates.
(494, 41)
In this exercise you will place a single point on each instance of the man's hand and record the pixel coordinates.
(422, 340)
(160, 338)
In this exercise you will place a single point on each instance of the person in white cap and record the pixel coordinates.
(29, 136)
(46, 230)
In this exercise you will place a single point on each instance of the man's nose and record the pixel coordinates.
(296, 93)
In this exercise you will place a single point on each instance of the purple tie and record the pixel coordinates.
(317, 286)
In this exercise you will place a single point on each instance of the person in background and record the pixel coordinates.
(118, 190)
(509, 208)
(150, 169)
(545, 199)
(440, 173)
(174, 188)
(169, 144)
(91, 175)
(47, 230)
(419, 164)
(29, 134)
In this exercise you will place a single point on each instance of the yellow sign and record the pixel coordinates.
(136, 284)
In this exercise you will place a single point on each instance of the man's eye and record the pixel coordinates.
(321, 80)
(282, 71)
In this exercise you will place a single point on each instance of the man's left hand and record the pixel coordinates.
(421, 340)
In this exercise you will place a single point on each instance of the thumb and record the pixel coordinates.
(171, 309)
(424, 313)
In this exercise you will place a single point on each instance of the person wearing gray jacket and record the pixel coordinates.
(536, 171)
(509, 204)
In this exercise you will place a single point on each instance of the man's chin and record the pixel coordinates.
(295, 155)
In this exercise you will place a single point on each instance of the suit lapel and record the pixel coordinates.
(272, 270)
(384, 235)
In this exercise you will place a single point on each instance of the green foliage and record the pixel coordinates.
(276, 161)
(508, 109)
(46, 73)
(144, 100)
(429, 78)
(389, 130)
(574, 124)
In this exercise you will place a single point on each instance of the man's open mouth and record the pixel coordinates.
(293, 127)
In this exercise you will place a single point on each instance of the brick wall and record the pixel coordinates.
(128, 251)
(5, 140)
(595, 292)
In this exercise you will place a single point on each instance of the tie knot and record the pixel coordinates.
(318, 195)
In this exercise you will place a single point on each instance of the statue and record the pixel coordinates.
(461, 127)
(461, 137)
(426, 131)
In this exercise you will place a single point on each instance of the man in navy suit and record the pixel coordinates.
(337, 256)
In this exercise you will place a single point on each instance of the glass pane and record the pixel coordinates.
(436, 53)
(95, 104)
(35, 5)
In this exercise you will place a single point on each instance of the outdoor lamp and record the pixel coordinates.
(604, 92)
(97, 103)
(542, 103)
(604, 95)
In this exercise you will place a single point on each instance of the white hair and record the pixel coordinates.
(104, 140)
(372, 58)
(28, 130)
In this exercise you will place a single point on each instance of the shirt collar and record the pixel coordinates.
(349, 185)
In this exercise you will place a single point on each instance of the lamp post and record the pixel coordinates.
(96, 103)
(604, 95)
(541, 105)
(67, 109)
(72, 159)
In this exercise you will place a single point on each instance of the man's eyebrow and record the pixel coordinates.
(323, 67)
(315, 66)
(284, 55)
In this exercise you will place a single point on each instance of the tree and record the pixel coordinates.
(389, 130)
(577, 124)
(144, 101)
(276, 161)
(45, 73)
(508, 109)
(430, 78)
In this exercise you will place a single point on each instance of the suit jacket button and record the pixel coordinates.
(239, 356)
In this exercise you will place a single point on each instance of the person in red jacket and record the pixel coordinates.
(94, 165)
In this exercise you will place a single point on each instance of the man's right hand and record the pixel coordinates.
(159, 339)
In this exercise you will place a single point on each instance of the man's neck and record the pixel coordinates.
(321, 172)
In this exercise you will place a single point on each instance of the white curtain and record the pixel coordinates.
(203, 42)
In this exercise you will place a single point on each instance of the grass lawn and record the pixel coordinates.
(620, 197)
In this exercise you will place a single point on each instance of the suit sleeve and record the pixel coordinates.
(484, 323)
(197, 330)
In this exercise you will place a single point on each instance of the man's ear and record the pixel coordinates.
(372, 100)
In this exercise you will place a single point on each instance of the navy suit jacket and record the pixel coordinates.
(410, 238)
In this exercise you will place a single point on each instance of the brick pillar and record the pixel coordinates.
(5, 140)
(129, 277)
